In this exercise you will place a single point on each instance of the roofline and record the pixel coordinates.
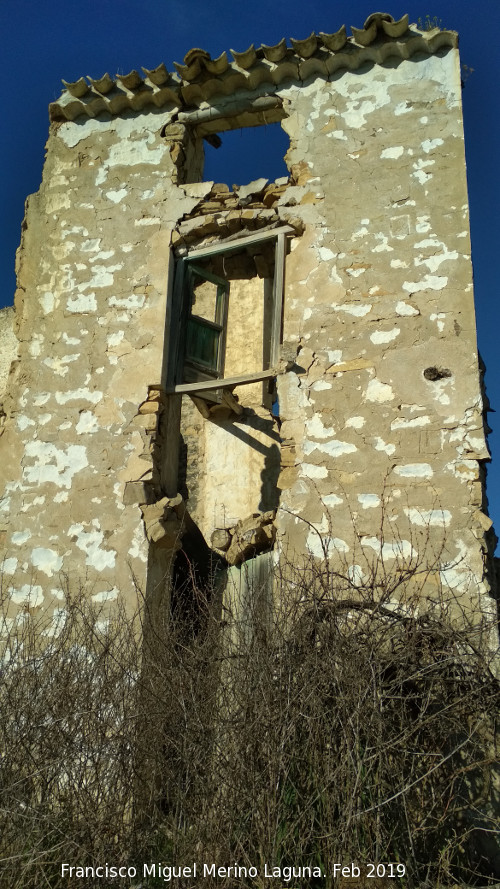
(202, 79)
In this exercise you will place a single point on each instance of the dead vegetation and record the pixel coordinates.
(329, 725)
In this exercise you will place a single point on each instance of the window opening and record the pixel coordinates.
(226, 315)
(243, 153)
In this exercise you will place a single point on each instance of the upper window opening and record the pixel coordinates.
(246, 154)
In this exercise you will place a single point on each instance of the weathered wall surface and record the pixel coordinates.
(381, 434)
(8, 346)
(385, 416)
(92, 280)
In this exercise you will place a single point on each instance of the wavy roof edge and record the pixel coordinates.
(201, 78)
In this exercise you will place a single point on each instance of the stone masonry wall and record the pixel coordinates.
(381, 435)
(382, 426)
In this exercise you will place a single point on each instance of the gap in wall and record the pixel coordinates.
(246, 154)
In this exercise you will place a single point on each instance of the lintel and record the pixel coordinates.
(234, 244)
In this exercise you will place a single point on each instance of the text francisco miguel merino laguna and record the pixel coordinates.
(169, 872)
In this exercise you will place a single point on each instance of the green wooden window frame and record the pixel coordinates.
(195, 345)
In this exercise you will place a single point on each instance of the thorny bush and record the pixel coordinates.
(323, 724)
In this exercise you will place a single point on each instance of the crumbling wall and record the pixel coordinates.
(8, 346)
(382, 420)
(380, 433)
(90, 306)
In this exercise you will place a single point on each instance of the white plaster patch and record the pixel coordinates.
(429, 144)
(397, 549)
(114, 339)
(40, 400)
(331, 500)
(59, 365)
(324, 547)
(35, 347)
(91, 245)
(384, 336)
(355, 422)
(90, 543)
(325, 254)
(355, 273)
(356, 309)
(61, 497)
(360, 233)
(379, 392)
(87, 423)
(404, 423)
(46, 560)
(423, 518)
(439, 318)
(392, 153)
(433, 262)
(403, 308)
(311, 470)
(320, 386)
(138, 548)
(116, 196)
(47, 301)
(31, 595)
(53, 464)
(316, 428)
(103, 254)
(23, 422)
(423, 225)
(398, 264)
(106, 595)
(102, 276)
(466, 470)
(381, 445)
(134, 301)
(428, 282)
(384, 246)
(77, 394)
(369, 501)
(70, 340)
(9, 566)
(331, 448)
(81, 304)
(334, 355)
(20, 537)
(414, 470)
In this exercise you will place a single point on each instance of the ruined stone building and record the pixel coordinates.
(286, 366)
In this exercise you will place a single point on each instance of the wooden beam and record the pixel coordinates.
(227, 383)
(236, 243)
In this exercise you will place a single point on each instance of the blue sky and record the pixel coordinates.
(46, 40)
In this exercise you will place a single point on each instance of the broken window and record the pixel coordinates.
(225, 313)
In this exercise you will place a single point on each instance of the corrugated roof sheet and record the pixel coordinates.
(201, 78)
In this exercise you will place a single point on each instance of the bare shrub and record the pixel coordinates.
(69, 707)
(336, 722)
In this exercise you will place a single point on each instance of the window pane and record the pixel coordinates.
(202, 345)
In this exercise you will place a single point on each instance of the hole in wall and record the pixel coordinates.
(246, 154)
(436, 373)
